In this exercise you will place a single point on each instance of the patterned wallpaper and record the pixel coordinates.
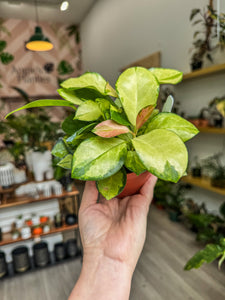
(37, 73)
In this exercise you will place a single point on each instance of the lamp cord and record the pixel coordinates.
(36, 12)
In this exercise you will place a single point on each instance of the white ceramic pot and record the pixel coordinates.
(42, 165)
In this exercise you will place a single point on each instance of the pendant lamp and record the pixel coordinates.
(38, 42)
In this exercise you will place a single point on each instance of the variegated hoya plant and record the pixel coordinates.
(112, 130)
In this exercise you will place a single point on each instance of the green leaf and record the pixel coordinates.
(222, 209)
(69, 96)
(65, 68)
(60, 150)
(143, 116)
(6, 58)
(98, 158)
(184, 129)
(104, 106)
(85, 129)
(66, 162)
(109, 128)
(167, 76)
(78, 139)
(88, 111)
(133, 163)
(70, 126)
(112, 186)
(137, 89)
(88, 94)
(168, 105)
(42, 103)
(221, 260)
(109, 90)
(88, 80)
(118, 116)
(163, 154)
(207, 255)
(144, 128)
(194, 12)
(3, 45)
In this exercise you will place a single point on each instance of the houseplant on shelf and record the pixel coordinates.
(216, 170)
(115, 130)
(209, 37)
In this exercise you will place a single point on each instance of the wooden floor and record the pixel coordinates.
(159, 273)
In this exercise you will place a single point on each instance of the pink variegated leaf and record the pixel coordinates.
(144, 115)
(109, 128)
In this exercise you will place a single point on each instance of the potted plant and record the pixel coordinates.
(216, 170)
(204, 39)
(114, 131)
(196, 170)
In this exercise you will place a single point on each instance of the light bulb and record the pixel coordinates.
(64, 5)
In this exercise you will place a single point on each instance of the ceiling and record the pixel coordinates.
(48, 10)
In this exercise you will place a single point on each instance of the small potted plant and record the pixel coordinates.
(112, 132)
(216, 170)
(208, 38)
(37, 230)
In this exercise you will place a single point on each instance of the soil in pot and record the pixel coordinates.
(134, 184)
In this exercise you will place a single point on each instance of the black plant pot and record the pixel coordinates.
(220, 182)
(71, 248)
(196, 172)
(21, 261)
(41, 254)
(71, 219)
(3, 265)
(60, 251)
(196, 65)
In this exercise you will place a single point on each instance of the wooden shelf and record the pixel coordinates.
(212, 130)
(7, 239)
(21, 200)
(204, 72)
(203, 183)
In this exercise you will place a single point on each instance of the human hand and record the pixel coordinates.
(115, 228)
(113, 234)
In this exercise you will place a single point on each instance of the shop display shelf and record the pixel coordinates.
(205, 72)
(203, 183)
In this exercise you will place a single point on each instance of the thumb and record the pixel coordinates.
(90, 195)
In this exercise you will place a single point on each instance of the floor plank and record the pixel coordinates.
(159, 273)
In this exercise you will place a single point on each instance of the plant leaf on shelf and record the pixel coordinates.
(112, 186)
(3, 45)
(42, 103)
(88, 111)
(184, 129)
(163, 154)
(98, 158)
(137, 88)
(109, 128)
(167, 76)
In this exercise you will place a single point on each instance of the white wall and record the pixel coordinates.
(118, 32)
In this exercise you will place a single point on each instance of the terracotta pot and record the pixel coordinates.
(134, 183)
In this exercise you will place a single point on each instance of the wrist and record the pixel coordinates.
(103, 278)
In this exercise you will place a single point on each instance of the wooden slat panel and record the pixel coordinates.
(153, 60)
